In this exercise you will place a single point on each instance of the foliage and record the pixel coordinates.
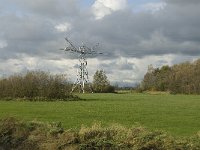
(15, 134)
(181, 78)
(101, 83)
(35, 85)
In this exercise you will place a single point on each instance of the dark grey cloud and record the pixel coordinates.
(182, 2)
(50, 8)
(29, 29)
(121, 65)
(175, 29)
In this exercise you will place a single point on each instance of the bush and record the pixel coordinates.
(101, 83)
(35, 85)
(15, 134)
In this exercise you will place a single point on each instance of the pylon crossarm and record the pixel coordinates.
(82, 72)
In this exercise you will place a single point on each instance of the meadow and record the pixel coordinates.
(178, 115)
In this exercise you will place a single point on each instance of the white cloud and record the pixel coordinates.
(63, 27)
(153, 7)
(138, 67)
(27, 63)
(102, 8)
(3, 44)
(116, 69)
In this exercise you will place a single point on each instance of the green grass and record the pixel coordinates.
(176, 114)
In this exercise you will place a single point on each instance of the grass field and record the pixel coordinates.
(178, 115)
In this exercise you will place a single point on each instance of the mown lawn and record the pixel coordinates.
(176, 114)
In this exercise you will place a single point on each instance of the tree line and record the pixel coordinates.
(35, 84)
(43, 85)
(181, 78)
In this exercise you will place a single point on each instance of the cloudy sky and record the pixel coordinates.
(132, 34)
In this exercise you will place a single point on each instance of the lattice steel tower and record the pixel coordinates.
(82, 72)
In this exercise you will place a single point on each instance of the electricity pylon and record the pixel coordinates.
(82, 72)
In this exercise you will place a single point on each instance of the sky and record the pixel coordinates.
(132, 35)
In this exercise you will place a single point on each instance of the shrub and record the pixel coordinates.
(35, 85)
(101, 84)
(15, 135)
